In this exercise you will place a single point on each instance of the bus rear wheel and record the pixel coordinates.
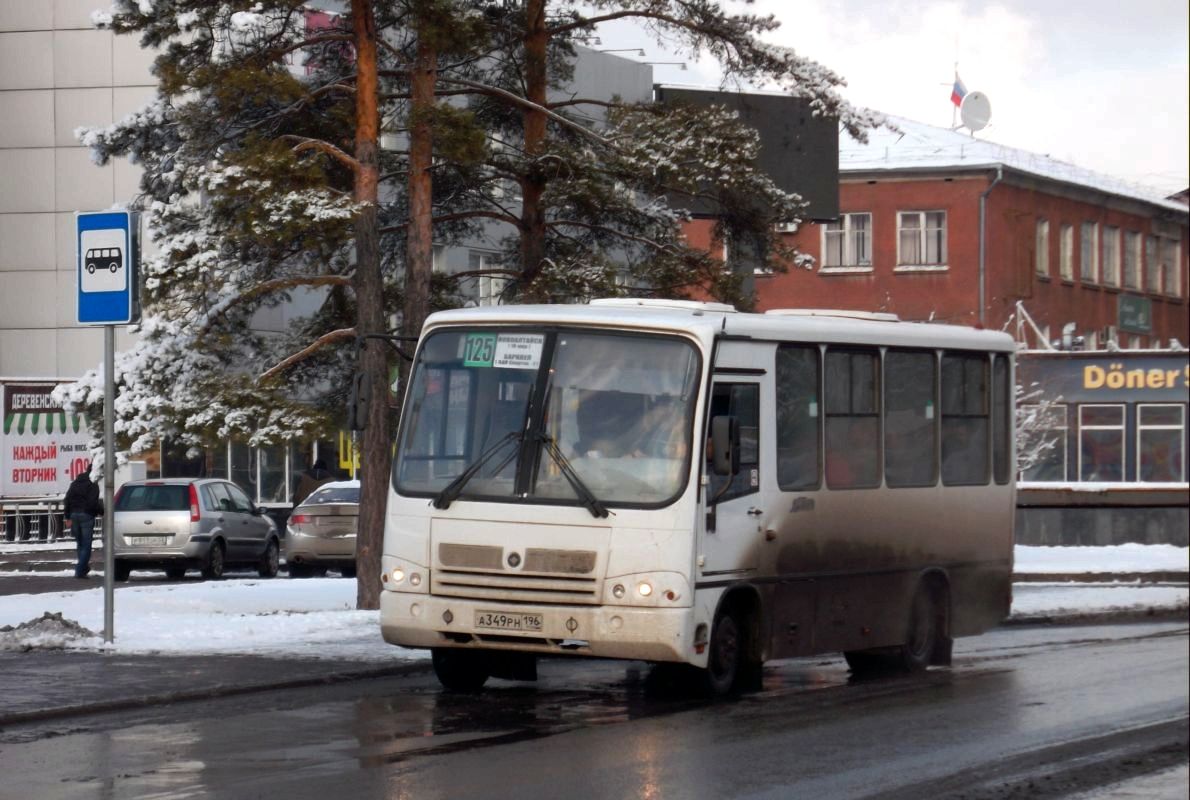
(926, 624)
(459, 670)
(922, 632)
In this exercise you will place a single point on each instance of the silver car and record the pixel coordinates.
(178, 524)
(321, 531)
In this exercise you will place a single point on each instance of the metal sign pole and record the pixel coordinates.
(109, 481)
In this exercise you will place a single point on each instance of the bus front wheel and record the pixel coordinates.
(726, 655)
(459, 670)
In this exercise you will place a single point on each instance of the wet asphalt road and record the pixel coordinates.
(1025, 712)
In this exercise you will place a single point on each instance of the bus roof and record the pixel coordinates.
(706, 320)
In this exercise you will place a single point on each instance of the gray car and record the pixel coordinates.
(176, 524)
(321, 531)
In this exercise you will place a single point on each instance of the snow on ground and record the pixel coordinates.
(1115, 558)
(64, 545)
(312, 618)
(1035, 600)
(316, 618)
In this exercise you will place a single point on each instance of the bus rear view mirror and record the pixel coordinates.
(725, 445)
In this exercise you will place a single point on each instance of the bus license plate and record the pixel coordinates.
(502, 621)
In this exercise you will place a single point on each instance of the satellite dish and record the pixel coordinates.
(976, 111)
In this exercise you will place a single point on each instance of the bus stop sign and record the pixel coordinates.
(107, 260)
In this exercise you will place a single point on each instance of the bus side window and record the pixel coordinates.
(910, 421)
(852, 419)
(1002, 402)
(741, 400)
(798, 418)
(965, 418)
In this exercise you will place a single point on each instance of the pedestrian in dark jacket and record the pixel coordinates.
(81, 506)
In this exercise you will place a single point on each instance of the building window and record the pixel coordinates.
(1044, 442)
(1041, 253)
(921, 239)
(1101, 442)
(1132, 260)
(1152, 264)
(847, 243)
(1066, 253)
(487, 288)
(1171, 261)
(1089, 253)
(1111, 256)
(1160, 434)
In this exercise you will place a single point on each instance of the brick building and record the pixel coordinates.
(933, 221)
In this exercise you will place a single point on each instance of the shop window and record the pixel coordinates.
(1101, 443)
(243, 467)
(1160, 442)
(274, 482)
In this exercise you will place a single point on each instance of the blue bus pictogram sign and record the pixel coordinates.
(106, 253)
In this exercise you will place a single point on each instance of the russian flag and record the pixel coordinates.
(958, 92)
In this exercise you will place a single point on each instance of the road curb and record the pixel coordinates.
(209, 693)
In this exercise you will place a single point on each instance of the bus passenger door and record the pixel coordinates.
(733, 536)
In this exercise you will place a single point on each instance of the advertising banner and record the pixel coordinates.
(42, 448)
(1098, 377)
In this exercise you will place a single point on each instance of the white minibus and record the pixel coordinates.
(674, 481)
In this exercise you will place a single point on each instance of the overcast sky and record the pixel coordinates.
(1099, 83)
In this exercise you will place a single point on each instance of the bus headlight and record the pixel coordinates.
(400, 575)
(651, 589)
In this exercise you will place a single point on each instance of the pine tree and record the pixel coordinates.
(265, 186)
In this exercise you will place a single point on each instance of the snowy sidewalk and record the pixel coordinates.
(316, 618)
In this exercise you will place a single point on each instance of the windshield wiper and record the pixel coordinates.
(585, 495)
(452, 490)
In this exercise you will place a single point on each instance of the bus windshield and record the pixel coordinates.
(517, 409)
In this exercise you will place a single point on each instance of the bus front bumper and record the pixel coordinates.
(647, 634)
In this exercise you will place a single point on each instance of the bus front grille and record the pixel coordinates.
(517, 587)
